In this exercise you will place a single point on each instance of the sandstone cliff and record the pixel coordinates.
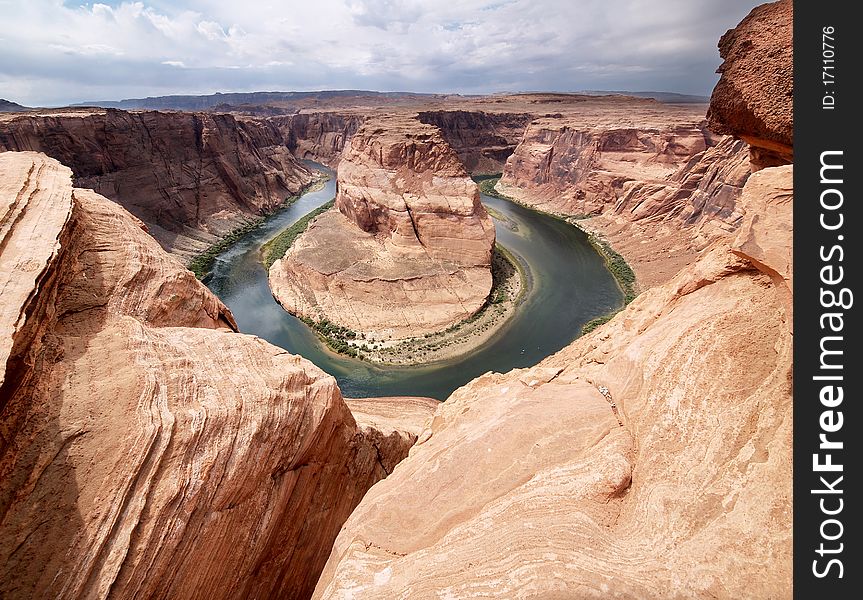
(754, 97)
(662, 226)
(318, 136)
(650, 459)
(191, 177)
(578, 163)
(407, 248)
(148, 450)
(483, 140)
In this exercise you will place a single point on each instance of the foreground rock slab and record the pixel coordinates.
(147, 449)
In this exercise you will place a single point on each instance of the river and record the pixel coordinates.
(569, 286)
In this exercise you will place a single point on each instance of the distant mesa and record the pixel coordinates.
(9, 106)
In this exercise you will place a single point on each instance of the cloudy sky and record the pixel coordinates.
(55, 52)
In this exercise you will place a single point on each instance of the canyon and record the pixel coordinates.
(191, 177)
(651, 457)
(150, 449)
(407, 248)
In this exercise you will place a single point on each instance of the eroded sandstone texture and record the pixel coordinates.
(578, 163)
(407, 248)
(483, 140)
(319, 136)
(533, 484)
(754, 97)
(191, 177)
(147, 449)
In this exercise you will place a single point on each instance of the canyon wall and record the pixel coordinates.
(577, 164)
(482, 140)
(147, 449)
(407, 248)
(191, 177)
(753, 99)
(318, 136)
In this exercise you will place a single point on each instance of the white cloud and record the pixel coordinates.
(74, 50)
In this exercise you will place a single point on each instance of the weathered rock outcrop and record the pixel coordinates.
(318, 136)
(577, 164)
(754, 97)
(191, 177)
(148, 450)
(407, 248)
(662, 226)
(482, 140)
(650, 459)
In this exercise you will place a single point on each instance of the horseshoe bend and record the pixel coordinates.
(402, 345)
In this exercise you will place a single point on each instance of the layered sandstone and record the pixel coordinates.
(662, 226)
(577, 163)
(319, 136)
(407, 248)
(147, 449)
(649, 459)
(754, 97)
(191, 177)
(483, 140)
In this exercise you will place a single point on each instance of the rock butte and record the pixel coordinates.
(148, 450)
(406, 250)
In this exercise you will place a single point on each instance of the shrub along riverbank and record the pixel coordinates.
(276, 247)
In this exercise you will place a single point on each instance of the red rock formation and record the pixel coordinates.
(191, 177)
(318, 136)
(577, 164)
(147, 450)
(482, 140)
(754, 97)
(407, 249)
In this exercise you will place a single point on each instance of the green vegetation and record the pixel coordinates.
(201, 264)
(621, 271)
(594, 323)
(486, 185)
(276, 247)
(623, 275)
(335, 336)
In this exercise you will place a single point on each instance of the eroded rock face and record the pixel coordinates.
(579, 164)
(148, 450)
(191, 177)
(483, 140)
(649, 459)
(318, 136)
(407, 248)
(754, 97)
(662, 226)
